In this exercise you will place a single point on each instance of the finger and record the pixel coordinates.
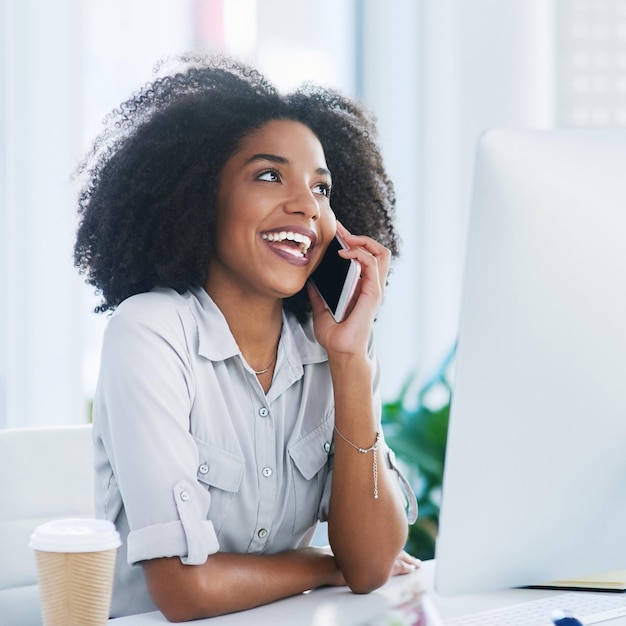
(408, 558)
(370, 269)
(401, 567)
(371, 245)
(377, 250)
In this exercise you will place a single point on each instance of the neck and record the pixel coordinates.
(255, 325)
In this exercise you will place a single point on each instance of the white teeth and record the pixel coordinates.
(303, 240)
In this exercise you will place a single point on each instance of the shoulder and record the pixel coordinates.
(160, 311)
(160, 300)
(158, 304)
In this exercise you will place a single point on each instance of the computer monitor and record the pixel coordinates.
(534, 484)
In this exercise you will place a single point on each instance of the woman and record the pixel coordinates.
(206, 208)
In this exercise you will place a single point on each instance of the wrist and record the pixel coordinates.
(324, 564)
(351, 365)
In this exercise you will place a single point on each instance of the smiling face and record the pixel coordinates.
(274, 219)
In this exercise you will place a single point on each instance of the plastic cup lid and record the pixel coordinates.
(75, 535)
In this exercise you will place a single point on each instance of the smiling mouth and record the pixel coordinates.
(293, 243)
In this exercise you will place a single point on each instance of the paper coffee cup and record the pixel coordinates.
(75, 565)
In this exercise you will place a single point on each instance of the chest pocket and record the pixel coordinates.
(309, 456)
(221, 472)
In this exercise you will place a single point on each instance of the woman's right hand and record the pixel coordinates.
(352, 335)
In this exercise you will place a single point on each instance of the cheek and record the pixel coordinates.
(328, 223)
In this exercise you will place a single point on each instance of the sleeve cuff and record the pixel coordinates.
(411, 501)
(192, 537)
(164, 540)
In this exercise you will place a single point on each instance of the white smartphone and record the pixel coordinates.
(335, 278)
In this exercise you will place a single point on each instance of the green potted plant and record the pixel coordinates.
(416, 428)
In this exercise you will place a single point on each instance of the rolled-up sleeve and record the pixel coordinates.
(146, 390)
(405, 487)
(191, 535)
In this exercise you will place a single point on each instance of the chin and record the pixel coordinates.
(290, 293)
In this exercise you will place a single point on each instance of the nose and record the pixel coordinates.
(304, 202)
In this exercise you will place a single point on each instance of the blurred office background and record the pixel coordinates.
(436, 73)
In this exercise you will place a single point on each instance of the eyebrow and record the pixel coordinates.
(262, 156)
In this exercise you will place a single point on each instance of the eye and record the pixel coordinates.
(270, 176)
(323, 189)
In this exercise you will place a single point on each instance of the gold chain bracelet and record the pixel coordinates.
(374, 449)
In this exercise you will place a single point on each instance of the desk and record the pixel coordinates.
(336, 606)
(459, 606)
(330, 606)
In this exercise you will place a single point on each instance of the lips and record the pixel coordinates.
(293, 242)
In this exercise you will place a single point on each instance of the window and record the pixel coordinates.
(591, 61)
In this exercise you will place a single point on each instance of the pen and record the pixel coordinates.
(565, 618)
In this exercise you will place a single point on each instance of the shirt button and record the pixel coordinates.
(262, 533)
(267, 472)
(184, 496)
(327, 446)
(204, 469)
(263, 412)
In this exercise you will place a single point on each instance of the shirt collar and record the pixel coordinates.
(216, 342)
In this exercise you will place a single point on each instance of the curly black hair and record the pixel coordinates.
(148, 201)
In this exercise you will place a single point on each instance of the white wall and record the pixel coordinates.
(462, 67)
(40, 349)
(391, 67)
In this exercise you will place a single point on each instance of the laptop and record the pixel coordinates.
(534, 486)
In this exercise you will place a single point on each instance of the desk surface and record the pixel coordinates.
(336, 606)
(324, 607)
(330, 606)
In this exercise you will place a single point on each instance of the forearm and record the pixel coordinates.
(366, 533)
(234, 582)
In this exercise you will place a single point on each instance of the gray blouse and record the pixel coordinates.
(191, 455)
